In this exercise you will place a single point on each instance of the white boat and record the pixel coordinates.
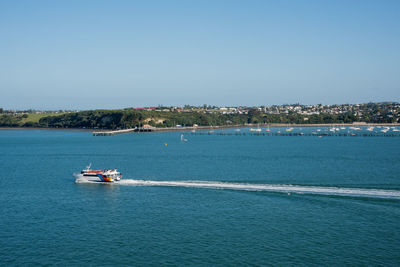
(183, 139)
(255, 129)
(101, 176)
(355, 128)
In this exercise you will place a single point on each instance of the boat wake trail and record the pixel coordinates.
(296, 189)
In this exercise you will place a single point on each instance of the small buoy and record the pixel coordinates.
(165, 144)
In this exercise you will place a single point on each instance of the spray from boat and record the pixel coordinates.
(274, 188)
(278, 188)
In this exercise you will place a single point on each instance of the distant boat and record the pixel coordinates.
(237, 130)
(289, 130)
(183, 139)
(255, 129)
(385, 130)
(355, 128)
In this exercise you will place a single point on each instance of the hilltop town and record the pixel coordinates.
(387, 111)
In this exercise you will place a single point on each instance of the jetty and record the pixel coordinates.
(112, 133)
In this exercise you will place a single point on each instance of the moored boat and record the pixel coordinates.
(255, 129)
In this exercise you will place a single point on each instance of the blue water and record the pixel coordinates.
(210, 201)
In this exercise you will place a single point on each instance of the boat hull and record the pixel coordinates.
(99, 178)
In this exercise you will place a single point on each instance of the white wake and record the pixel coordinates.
(297, 189)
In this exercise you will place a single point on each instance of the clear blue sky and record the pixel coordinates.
(114, 54)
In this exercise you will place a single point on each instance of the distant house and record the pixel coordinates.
(146, 108)
(148, 126)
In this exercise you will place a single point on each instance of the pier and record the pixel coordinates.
(112, 133)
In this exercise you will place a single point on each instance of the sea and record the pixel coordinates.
(210, 198)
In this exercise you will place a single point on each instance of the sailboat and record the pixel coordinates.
(183, 139)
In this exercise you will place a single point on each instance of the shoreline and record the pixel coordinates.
(44, 128)
(190, 128)
(271, 125)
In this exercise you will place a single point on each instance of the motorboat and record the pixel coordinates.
(101, 176)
